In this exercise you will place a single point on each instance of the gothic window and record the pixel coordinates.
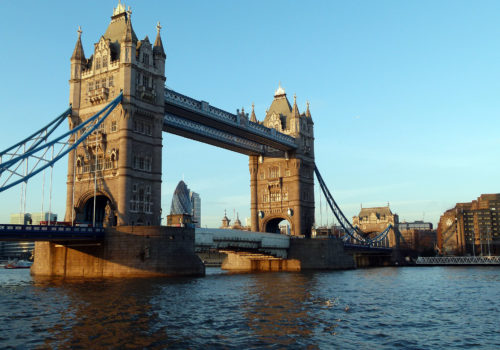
(100, 163)
(148, 129)
(133, 203)
(145, 80)
(90, 85)
(79, 164)
(97, 84)
(141, 199)
(274, 172)
(275, 196)
(147, 163)
(103, 82)
(108, 164)
(138, 79)
(111, 81)
(141, 163)
(98, 63)
(114, 126)
(104, 62)
(134, 188)
(145, 59)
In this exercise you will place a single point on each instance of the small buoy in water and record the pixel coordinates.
(346, 309)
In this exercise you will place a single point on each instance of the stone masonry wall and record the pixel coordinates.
(320, 254)
(127, 251)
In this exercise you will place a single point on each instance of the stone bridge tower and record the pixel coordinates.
(282, 186)
(124, 156)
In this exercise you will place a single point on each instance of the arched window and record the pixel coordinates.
(79, 165)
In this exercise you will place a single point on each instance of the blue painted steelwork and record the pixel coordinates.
(359, 247)
(204, 109)
(88, 127)
(37, 137)
(32, 233)
(350, 231)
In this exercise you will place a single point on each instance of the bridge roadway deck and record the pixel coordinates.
(226, 239)
(205, 238)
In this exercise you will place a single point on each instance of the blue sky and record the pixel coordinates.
(404, 94)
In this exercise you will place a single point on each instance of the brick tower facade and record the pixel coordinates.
(282, 187)
(120, 165)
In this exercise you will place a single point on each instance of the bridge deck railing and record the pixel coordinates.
(226, 117)
(458, 260)
(48, 232)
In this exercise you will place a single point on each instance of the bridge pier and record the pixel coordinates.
(372, 260)
(254, 262)
(303, 254)
(126, 251)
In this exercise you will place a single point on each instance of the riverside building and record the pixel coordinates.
(471, 228)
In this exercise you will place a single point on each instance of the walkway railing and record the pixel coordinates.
(459, 260)
(49, 233)
(204, 108)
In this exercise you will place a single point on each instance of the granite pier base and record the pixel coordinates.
(126, 251)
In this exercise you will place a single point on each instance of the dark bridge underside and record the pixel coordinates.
(52, 233)
(202, 133)
(199, 121)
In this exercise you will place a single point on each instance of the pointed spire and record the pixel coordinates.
(119, 9)
(127, 36)
(280, 91)
(158, 46)
(253, 117)
(295, 109)
(308, 113)
(78, 53)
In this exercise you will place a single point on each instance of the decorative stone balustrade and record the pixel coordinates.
(98, 95)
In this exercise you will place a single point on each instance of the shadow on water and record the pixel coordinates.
(107, 313)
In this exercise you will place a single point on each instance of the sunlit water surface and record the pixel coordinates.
(383, 308)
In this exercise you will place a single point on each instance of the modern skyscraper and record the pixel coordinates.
(196, 204)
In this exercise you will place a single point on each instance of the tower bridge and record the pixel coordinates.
(119, 110)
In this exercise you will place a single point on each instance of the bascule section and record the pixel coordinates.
(282, 185)
(114, 176)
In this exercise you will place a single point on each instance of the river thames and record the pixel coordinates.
(378, 308)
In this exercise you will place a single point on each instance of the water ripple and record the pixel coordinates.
(387, 308)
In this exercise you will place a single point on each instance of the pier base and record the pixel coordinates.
(254, 262)
(303, 254)
(320, 254)
(126, 251)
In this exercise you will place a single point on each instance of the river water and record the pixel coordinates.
(379, 308)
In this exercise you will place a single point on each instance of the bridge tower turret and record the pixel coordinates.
(120, 165)
(282, 185)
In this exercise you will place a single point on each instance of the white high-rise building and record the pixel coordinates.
(196, 204)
